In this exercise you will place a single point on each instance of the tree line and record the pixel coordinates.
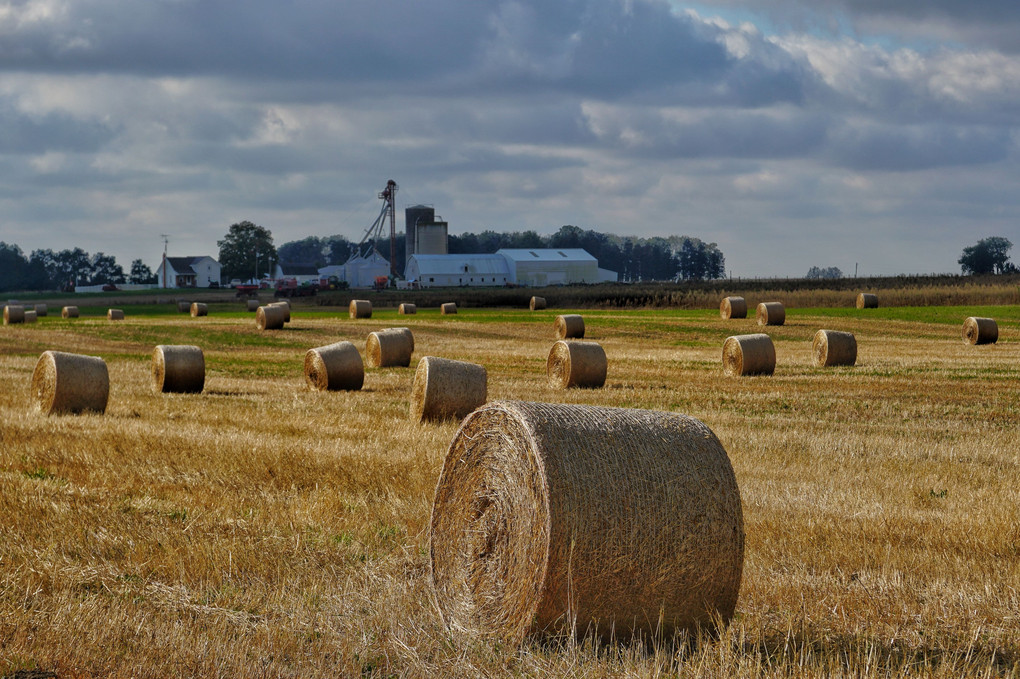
(64, 270)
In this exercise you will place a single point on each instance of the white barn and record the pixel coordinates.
(437, 271)
(531, 267)
(188, 272)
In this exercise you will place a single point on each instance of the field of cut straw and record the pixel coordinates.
(265, 529)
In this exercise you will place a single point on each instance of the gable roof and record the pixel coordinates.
(299, 269)
(461, 264)
(546, 254)
(182, 265)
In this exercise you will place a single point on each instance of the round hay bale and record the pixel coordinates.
(270, 317)
(577, 364)
(832, 347)
(360, 308)
(569, 326)
(771, 313)
(556, 518)
(70, 383)
(980, 331)
(199, 309)
(14, 313)
(749, 355)
(444, 388)
(733, 307)
(69, 312)
(30, 316)
(252, 305)
(407, 309)
(285, 305)
(178, 369)
(115, 314)
(390, 347)
(183, 306)
(866, 300)
(448, 308)
(536, 303)
(335, 367)
(41, 310)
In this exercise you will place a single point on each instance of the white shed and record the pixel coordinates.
(361, 272)
(434, 271)
(551, 266)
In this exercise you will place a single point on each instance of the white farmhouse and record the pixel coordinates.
(188, 272)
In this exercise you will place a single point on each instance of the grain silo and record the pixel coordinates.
(414, 215)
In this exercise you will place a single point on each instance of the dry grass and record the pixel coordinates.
(262, 529)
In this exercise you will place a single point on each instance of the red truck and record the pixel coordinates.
(289, 287)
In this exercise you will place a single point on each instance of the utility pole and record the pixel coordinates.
(166, 242)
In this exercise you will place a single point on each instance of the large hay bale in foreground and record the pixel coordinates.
(832, 347)
(733, 307)
(866, 300)
(978, 330)
(252, 305)
(70, 383)
(199, 309)
(183, 306)
(569, 326)
(536, 303)
(444, 388)
(178, 369)
(69, 312)
(359, 308)
(115, 314)
(555, 518)
(577, 364)
(335, 367)
(390, 347)
(749, 355)
(770, 313)
(41, 310)
(30, 316)
(270, 317)
(14, 313)
(407, 309)
(448, 308)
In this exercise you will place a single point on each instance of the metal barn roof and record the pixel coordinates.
(547, 254)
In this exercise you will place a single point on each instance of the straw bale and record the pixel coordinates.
(577, 364)
(390, 347)
(980, 331)
(407, 309)
(444, 388)
(832, 347)
(557, 518)
(30, 316)
(866, 300)
(749, 355)
(334, 367)
(536, 303)
(569, 326)
(448, 308)
(178, 369)
(733, 307)
(70, 383)
(14, 313)
(270, 317)
(69, 312)
(41, 310)
(771, 313)
(360, 308)
(199, 309)
(252, 305)
(183, 306)
(115, 314)
(285, 305)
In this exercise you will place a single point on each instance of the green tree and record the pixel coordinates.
(141, 273)
(245, 247)
(988, 255)
(105, 269)
(310, 250)
(12, 267)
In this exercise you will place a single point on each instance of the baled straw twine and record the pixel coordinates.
(334, 367)
(70, 383)
(749, 355)
(832, 347)
(733, 307)
(178, 369)
(977, 330)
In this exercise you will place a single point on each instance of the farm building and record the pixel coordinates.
(188, 272)
(299, 272)
(535, 267)
(437, 271)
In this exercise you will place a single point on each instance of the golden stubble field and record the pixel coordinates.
(261, 529)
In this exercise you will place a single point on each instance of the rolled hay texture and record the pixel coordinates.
(30, 316)
(286, 309)
(448, 308)
(444, 388)
(41, 310)
(334, 367)
(115, 314)
(69, 312)
(407, 309)
(14, 313)
(360, 308)
(569, 326)
(832, 347)
(183, 307)
(980, 331)
(557, 518)
(866, 300)
(733, 307)
(270, 317)
(577, 364)
(749, 355)
(390, 347)
(70, 383)
(771, 313)
(178, 369)
(252, 305)
(536, 303)
(199, 309)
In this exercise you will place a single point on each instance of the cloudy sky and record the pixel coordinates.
(793, 133)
